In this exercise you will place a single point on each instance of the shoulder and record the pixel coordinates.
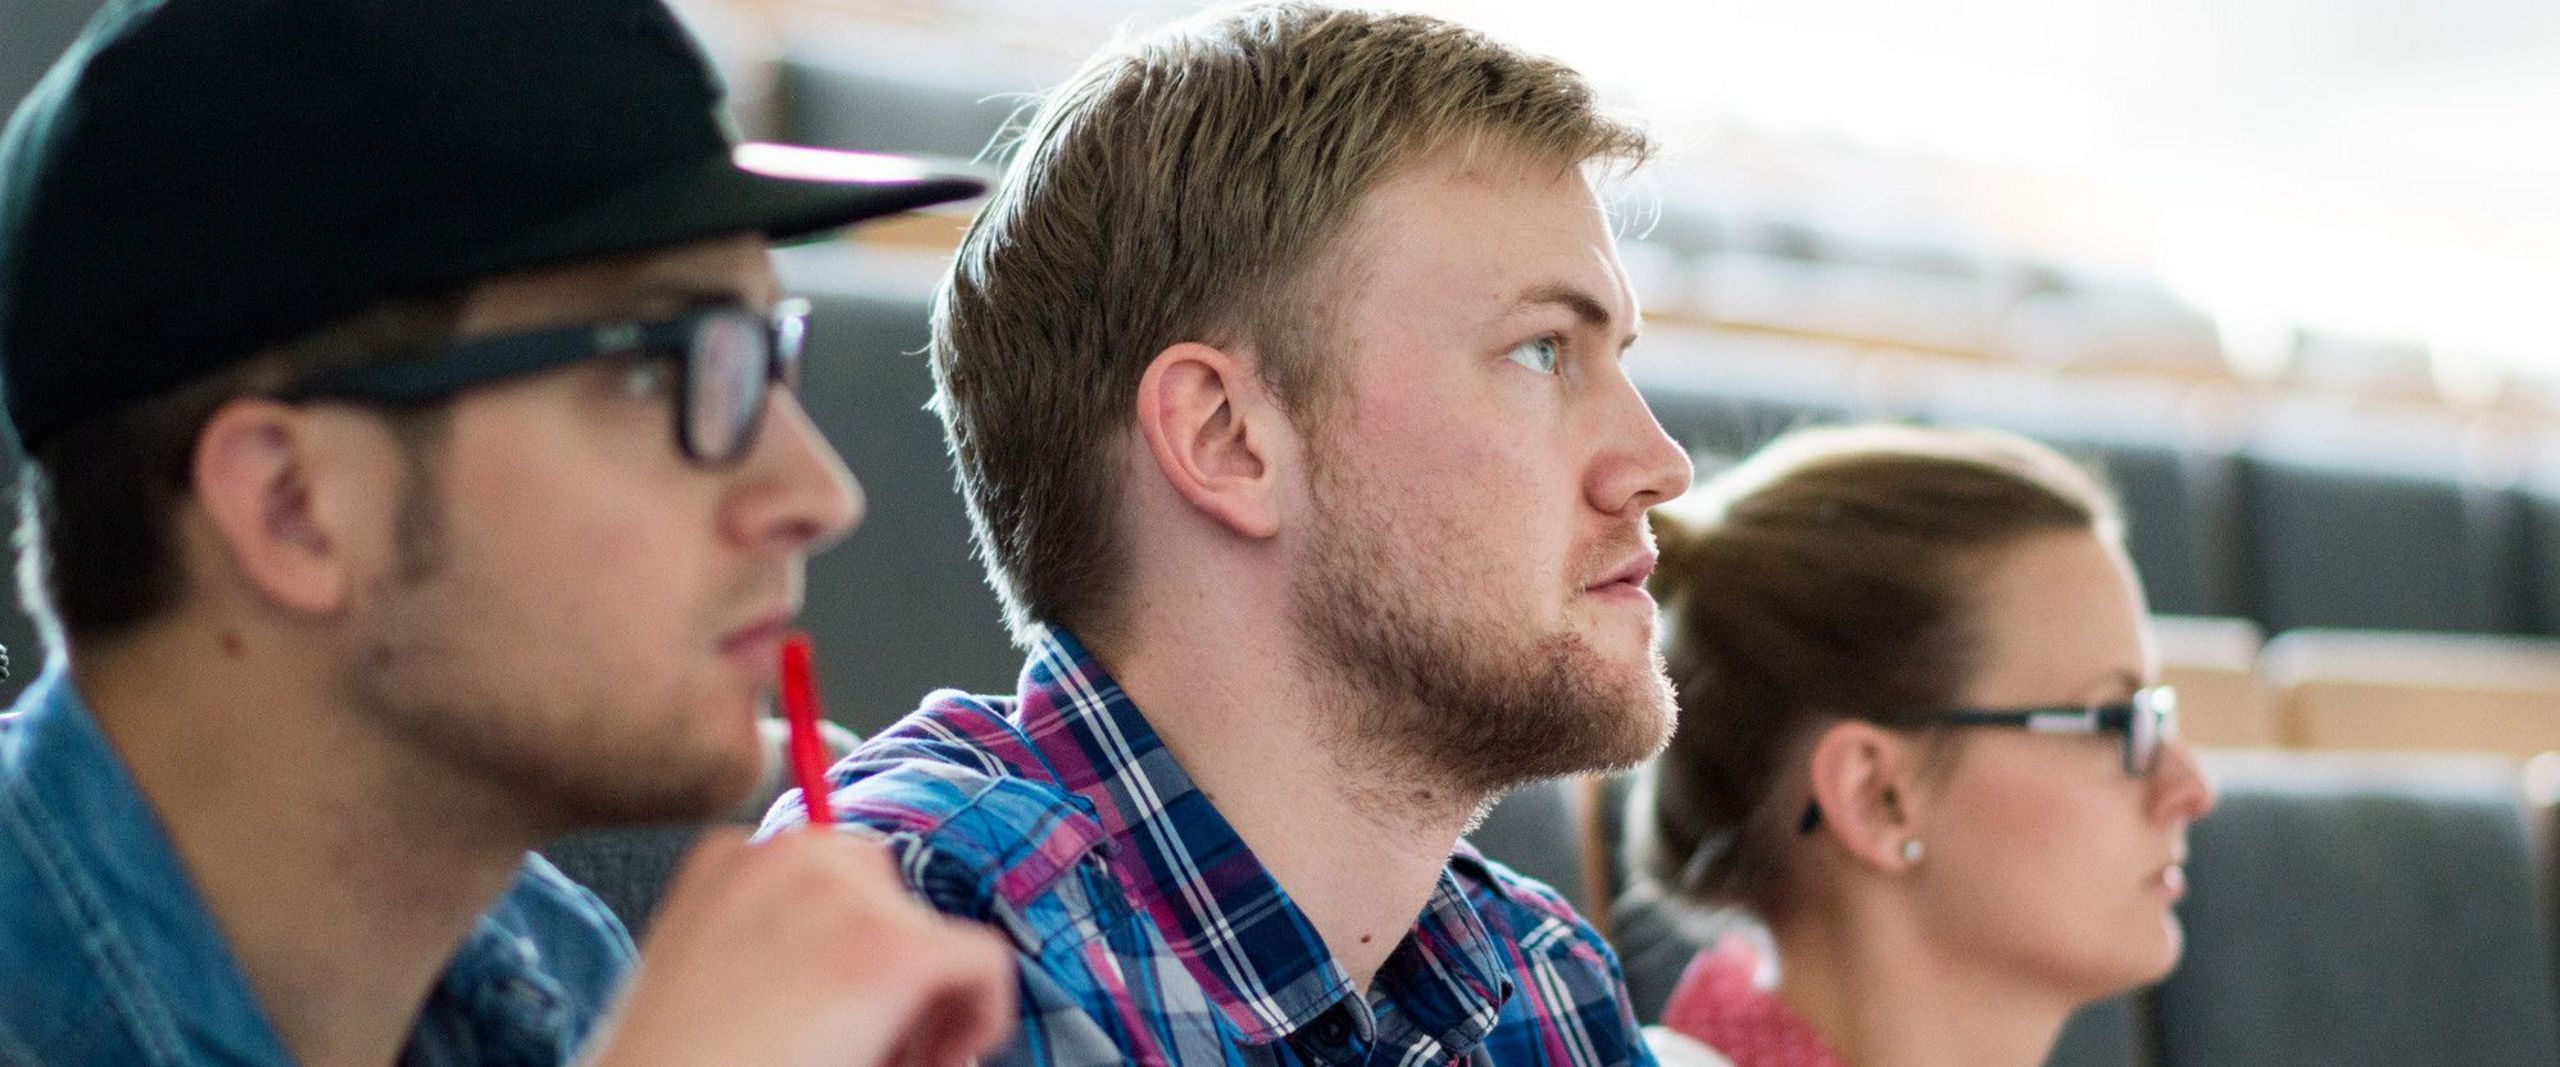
(53, 996)
(964, 800)
(576, 939)
(1525, 911)
(1568, 985)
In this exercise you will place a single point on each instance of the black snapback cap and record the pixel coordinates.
(197, 180)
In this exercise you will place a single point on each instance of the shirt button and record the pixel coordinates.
(1332, 1030)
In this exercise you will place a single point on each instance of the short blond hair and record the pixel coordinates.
(1186, 187)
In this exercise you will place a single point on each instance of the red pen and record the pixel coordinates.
(800, 711)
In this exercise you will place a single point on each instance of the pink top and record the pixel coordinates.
(1720, 1003)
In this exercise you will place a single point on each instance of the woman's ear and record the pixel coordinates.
(1864, 781)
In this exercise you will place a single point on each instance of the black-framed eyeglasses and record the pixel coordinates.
(727, 357)
(2148, 720)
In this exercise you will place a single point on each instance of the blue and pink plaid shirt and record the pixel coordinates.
(1149, 933)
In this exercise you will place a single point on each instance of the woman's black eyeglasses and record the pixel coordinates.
(2148, 720)
(728, 357)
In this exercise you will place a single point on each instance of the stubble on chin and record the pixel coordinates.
(1469, 704)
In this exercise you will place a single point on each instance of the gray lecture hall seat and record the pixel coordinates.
(2374, 521)
(2537, 505)
(1722, 395)
(2362, 911)
(899, 608)
(38, 31)
(1537, 831)
(894, 89)
(2538, 583)
(2156, 442)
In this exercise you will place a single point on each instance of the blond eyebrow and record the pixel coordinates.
(1585, 307)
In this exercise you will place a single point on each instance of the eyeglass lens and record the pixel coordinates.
(727, 367)
(732, 361)
(2155, 722)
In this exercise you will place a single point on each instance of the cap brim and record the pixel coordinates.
(784, 192)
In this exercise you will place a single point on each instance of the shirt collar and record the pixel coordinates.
(1181, 863)
(150, 939)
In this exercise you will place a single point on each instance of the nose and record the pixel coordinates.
(1639, 464)
(2181, 790)
(792, 489)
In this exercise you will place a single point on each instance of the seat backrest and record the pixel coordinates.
(1724, 395)
(2355, 518)
(900, 607)
(2349, 910)
(1537, 831)
(901, 89)
(2152, 441)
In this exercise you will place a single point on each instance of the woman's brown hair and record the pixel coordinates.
(1826, 577)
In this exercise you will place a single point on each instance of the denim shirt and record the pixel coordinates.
(107, 956)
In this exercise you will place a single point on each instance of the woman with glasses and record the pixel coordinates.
(1921, 741)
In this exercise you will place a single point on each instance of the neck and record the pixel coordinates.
(342, 869)
(1881, 996)
(1357, 848)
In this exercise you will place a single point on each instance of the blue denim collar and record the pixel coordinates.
(146, 946)
(108, 955)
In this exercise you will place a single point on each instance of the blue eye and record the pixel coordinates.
(1539, 354)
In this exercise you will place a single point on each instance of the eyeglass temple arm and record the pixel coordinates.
(2057, 720)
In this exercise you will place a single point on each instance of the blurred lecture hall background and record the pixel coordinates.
(2283, 270)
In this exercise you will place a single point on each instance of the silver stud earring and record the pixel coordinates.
(1911, 850)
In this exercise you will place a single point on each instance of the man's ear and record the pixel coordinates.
(256, 483)
(1864, 779)
(1208, 422)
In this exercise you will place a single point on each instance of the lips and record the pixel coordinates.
(1632, 572)
(764, 634)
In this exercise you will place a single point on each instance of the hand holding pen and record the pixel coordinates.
(807, 948)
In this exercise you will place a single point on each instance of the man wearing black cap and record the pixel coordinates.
(410, 484)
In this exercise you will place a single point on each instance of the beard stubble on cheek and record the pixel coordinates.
(446, 669)
(1442, 688)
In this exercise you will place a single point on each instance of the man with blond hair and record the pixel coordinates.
(1283, 378)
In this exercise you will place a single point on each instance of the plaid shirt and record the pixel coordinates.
(1149, 933)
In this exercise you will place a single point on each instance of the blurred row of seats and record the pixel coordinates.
(2291, 510)
(1702, 248)
(2290, 507)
